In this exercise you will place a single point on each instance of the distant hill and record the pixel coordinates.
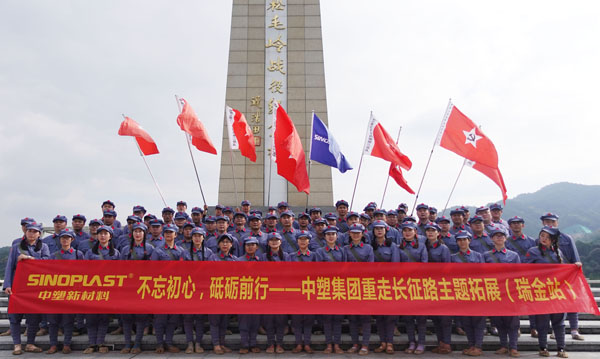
(577, 206)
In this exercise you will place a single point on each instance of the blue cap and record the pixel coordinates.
(302, 233)
(432, 225)
(67, 232)
(432, 210)
(553, 231)
(465, 209)
(409, 219)
(170, 228)
(392, 212)
(27, 220)
(319, 221)
(516, 219)
(133, 218)
(95, 221)
(457, 211)
(422, 206)
(59, 218)
(463, 234)
(106, 228)
(273, 235)
(225, 236)
(380, 211)
(139, 208)
(240, 214)
(369, 206)
(180, 215)
(341, 202)
(315, 209)
(550, 216)
(110, 213)
(149, 217)
(210, 219)
(365, 216)
(182, 203)
(303, 215)
(352, 214)
(198, 230)
(246, 203)
(250, 240)
(227, 209)
(168, 209)
(272, 208)
(156, 222)
(401, 209)
(331, 229)
(189, 224)
(442, 219)
(356, 228)
(254, 215)
(409, 224)
(403, 206)
(222, 218)
(379, 224)
(79, 216)
(497, 230)
(495, 206)
(108, 201)
(287, 213)
(481, 209)
(330, 216)
(271, 216)
(475, 219)
(219, 206)
(35, 226)
(282, 204)
(197, 210)
(139, 225)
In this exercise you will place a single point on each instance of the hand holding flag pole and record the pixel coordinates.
(131, 128)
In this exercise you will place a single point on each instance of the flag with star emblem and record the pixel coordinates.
(462, 136)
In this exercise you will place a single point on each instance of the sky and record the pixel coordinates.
(526, 72)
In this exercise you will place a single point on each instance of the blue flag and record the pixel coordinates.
(324, 149)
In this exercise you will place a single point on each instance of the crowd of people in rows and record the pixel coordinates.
(246, 234)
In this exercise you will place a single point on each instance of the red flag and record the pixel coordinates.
(188, 122)
(131, 128)
(380, 144)
(396, 174)
(240, 134)
(462, 136)
(289, 154)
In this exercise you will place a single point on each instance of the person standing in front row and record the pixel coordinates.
(508, 326)
(359, 251)
(249, 323)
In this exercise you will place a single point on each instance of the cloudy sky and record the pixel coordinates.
(527, 72)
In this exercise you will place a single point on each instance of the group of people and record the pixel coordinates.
(246, 234)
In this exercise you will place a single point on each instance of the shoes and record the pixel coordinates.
(6, 334)
(136, 350)
(160, 349)
(53, 349)
(460, 331)
(218, 350)
(190, 348)
(198, 348)
(173, 349)
(337, 349)
(297, 349)
(125, 350)
(534, 333)
(117, 331)
(544, 353)
(308, 349)
(18, 350)
(445, 348)
(501, 351)
(66, 349)
(411, 348)
(30, 348)
(380, 348)
(255, 350)
(244, 351)
(102, 349)
(353, 350)
(419, 350)
(89, 350)
(475, 352)
(270, 349)
(279, 349)
(562, 354)
(42, 331)
(514, 353)
(575, 335)
(225, 349)
(389, 349)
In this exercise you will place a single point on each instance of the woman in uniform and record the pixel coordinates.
(249, 323)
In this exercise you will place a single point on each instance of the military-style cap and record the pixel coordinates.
(379, 224)
(549, 215)
(341, 202)
(110, 213)
(457, 211)
(66, 232)
(139, 208)
(315, 209)
(432, 210)
(79, 216)
(27, 220)
(133, 218)
(95, 222)
(330, 216)
(331, 229)
(168, 209)
(409, 224)
(282, 204)
(422, 206)
(475, 219)
(246, 203)
(494, 206)
(250, 240)
(302, 233)
(106, 228)
(225, 236)
(303, 215)
(463, 234)
(481, 209)
(432, 225)
(139, 225)
(319, 221)
(352, 214)
(498, 230)
(273, 235)
(170, 228)
(180, 215)
(442, 219)
(356, 228)
(35, 226)
(182, 203)
(197, 210)
(59, 217)
(222, 218)
(108, 201)
(198, 230)
(516, 219)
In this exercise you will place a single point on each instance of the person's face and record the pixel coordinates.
(187, 231)
(545, 239)
(408, 233)
(331, 222)
(303, 222)
(486, 215)
(196, 217)
(210, 226)
(271, 222)
(303, 243)
(32, 235)
(139, 214)
(352, 220)
(496, 214)
(169, 236)
(392, 220)
(286, 221)
(463, 244)
(108, 220)
(218, 212)
(550, 222)
(251, 248)
(517, 227)
(138, 235)
(181, 208)
(180, 222)
(356, 236)
(423, 214)
(282, 209)
(255, 224)
(155, 231)
(228, 214)
(370, 212)
(78, 224)
(379, 217)
(499, 239)
(319, 228)
(342, 210)
(274, 244)
(246, 208)
(379, 232)
(240, 221)
(225, 245)
(197, 238)
(432, 216)
(59, 226)
(445, 226)
(315, 215)
(103, 238)
(94, 228)
(222, 225)
(107, 207)
(477, 227)
(130, 224)
(167, 217)
(364, 221)
(65, 241)
(331, 237)
(457, 219)
(401, 216)
(431, 234)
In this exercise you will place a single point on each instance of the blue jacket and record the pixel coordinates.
(15, 252)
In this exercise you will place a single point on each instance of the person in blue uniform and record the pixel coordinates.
(167, 215)
(197, 216)
(30, 247)
(195, 322)
(438, 252)
(359, 251)
(342, 208)
(155, 237)
(481, 241)
(445, 235)
(569, 250)
(97, 324)
(240, 230)
(270, 224)
(433, 213)
(508, 326)
(318, 238)
(416, 252)
(385, 250)
(474, 326)
(85, 245)
(218, 322)
(304, 222)
(249, 323)
(66, 321)
(332, 324)
(182, 208)
(52, 241)
(548, 251)
(457, 216)
(255, 224)
(288, 232)
(109, 218)
(185, 240)
(109, 205)
(303, 323)
(165, 324)
(78, 222)
(423, 216)
(136, 250)
(125, 238)
(496, 213)
(275, 323)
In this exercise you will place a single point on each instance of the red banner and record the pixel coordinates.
(55, 286)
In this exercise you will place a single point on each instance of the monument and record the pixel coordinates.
(275, 54)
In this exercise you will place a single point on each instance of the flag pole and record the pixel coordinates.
(232, 167)
(312, 120)
(388, 176)
(149, 171)
(453, 187)
(446, 114)
(187, 137)
(361, 159)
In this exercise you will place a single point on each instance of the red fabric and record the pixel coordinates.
(131, 128)
(136, 287)
(291, 163)
(396, 174)
(463, 137)
(188, 122)
(244, 136)
(386, 148)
